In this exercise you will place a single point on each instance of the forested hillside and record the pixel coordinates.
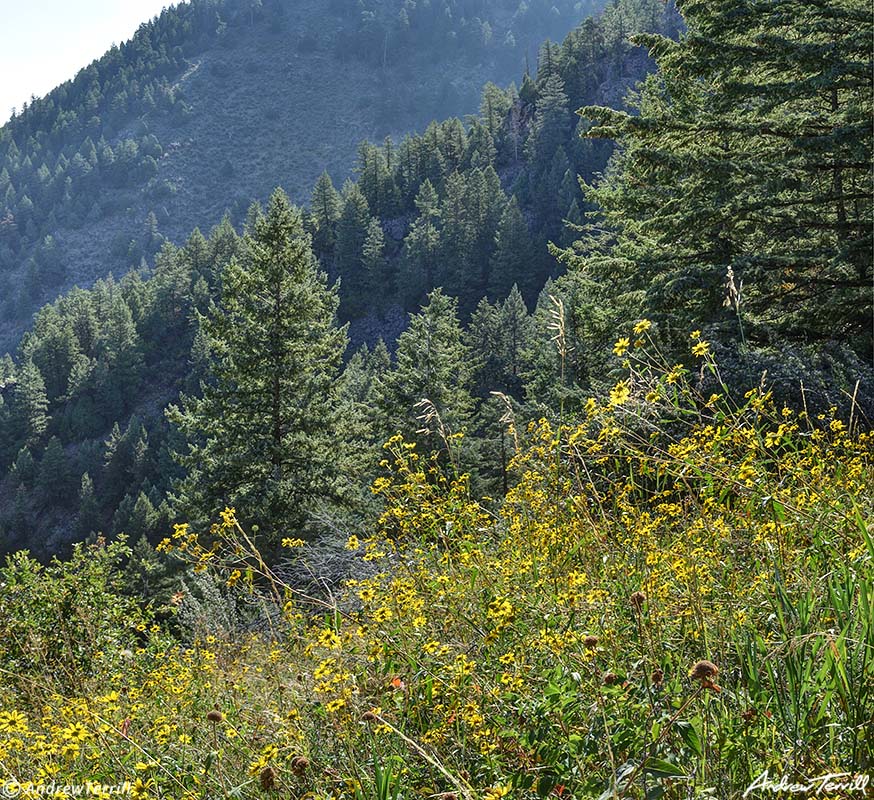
(214, 103)
(469, 207)
(535, 462)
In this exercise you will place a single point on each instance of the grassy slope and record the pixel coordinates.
(657, 610)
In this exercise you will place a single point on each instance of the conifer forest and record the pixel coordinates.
(457, 399)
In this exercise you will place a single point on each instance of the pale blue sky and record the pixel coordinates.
(45, 42)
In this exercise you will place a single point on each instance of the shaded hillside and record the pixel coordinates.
(83, 440)
(216, 102)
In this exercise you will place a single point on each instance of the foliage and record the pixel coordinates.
(675, 597)
(85, 379)
(59, 622)
(113, 357)
(740, 196)
(261, 431)
(144, 140)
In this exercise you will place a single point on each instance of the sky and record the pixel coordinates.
(45, 42)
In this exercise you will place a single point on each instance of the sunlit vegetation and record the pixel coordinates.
(594, 533)
(674, 596)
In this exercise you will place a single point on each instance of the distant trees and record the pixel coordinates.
(513, 262)
(719, 170)
(65, 407)
(25, 418)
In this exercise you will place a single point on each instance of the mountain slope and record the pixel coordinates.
(216, 102)
(83, 441)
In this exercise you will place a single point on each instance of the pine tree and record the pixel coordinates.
(119, 364)
(23, 471)
(261, 438)
(359, 391)
(374, 262)
(325, 208)
(494, 108)
(482, 336)
(351, 234)
(88, 518)
(422, 246)
(54, 476)
(470, 213)
(516, 330)
(224, 244)
(432, 363)
(375, 179)
(28, 413)
(555, 369)
(513, 261)
(53, 348)
(741, 195)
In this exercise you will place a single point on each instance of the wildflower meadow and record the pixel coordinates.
(673, 600)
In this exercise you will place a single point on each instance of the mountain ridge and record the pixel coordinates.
(175, 110)
(429, 210)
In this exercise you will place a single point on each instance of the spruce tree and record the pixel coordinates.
(351, 234)
(88, 517)
(374, 262)
(55, 476)
(262, 436)
(515, 333)
(432, 363)
(325, 208)
(28, 412)
(513, 261)
(740, 197)
(422, 246)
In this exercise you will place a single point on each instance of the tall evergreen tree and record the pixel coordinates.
(325, 209)
(28, 417)
(55, 476)
(422, 245)
(374, 262)
(351, 235)
(741, 195)
(513, 261)
(88, 518)
(432, 363)
(262, 436)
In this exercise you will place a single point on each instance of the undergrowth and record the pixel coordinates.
(674, 597)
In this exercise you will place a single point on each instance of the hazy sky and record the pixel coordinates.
(45, 42)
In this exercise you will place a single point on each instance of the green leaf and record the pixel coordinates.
(690, 736)
(660, 768)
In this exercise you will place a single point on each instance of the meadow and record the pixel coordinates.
(674, 597)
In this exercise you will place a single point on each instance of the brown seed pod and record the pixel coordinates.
(703, 670)
(657, 678)
(215, 716)
(637, 600)
(299, 765)
(610, 679)
(590, 642)
(368, 716)
(267, 778)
